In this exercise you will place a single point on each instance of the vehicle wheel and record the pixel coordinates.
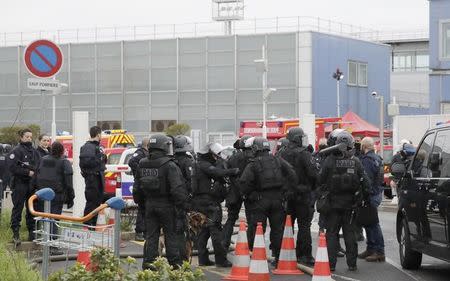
(409, 258)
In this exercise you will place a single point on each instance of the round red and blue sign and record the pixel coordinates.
(43, 58)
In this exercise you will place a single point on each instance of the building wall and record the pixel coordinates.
(331, 52)
(440, 75)
(411, 89)
(209, 82)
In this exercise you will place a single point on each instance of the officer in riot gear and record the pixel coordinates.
(92, 165)
(208, 193)
(55, 171)
(22, 162)
(160, 187)
(234, 199)
(182, 146)
(299, 205)
(343, 176)
(138, 155)
(281, 145)
(265, 182)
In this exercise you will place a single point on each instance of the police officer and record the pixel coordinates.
(208, 193)
(234, 199)
(139, 154)
(297, 154)
(281, 145)
(343, 176)
(44, 145)
(55, 171)
(5, 174)
(264, 182)
(92, 165)
(182, 147)
(22, 163)
(160, 187)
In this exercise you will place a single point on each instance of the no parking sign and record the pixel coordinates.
(43, 58)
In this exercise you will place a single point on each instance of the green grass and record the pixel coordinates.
(13, 265)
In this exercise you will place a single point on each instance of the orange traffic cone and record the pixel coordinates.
(287, 262)
(259, 269)
(322, 265)
(101, 221)
(241, 260)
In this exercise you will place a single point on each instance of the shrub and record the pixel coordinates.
(178, 129)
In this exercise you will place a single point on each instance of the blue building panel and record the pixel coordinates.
(405, 110)
(330, 52)
(439, 11)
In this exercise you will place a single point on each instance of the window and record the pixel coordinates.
(445, 40)
(410, 61)
(352, 73)
(357, 74)
(442, 146)
(362, 74)
(422, 62)
(421, 160)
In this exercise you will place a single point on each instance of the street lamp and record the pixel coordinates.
(338, 75)
(262, 67)
(380, 98)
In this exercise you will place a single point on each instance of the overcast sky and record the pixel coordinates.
(27, 15)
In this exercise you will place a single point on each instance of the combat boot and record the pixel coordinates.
(31, 236)
(376, 257)
(139, 237)
(16, 238)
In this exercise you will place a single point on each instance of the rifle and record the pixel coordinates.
(26, 166)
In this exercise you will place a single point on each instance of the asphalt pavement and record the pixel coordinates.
(431, 270)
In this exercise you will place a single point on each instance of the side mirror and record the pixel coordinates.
(435, 161)
(398, 169)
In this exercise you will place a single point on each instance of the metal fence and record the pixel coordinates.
(162, 31)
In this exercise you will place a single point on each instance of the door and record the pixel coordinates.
(437, 208)
(414, 193)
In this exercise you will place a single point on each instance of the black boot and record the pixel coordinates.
(139, 237)
(31, 236)
(16, 238)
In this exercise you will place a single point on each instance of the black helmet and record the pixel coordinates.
(283, 142)
(7, 148)
(258, 144)
(161, 142)
(347, 139)
(333, 135)
(295, 135)
(242, 141)
(182, 144)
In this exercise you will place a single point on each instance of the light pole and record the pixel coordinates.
(380, 98)
(338, 75)
(262, 67)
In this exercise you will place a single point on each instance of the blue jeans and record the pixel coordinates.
(375, 240)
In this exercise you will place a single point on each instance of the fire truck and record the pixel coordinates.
(110, 139)
(278, 128)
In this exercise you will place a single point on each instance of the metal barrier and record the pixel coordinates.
(70, 232)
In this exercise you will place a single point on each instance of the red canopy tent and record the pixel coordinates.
(353, 123)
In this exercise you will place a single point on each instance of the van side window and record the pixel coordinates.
(420, 164)
(442, 146)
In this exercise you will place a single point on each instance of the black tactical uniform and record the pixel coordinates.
(159, 185)
(23, 159)
(92, 164)
(264, 182)
(299, 205)
(185, 161)
(343, 176)
(208, 193)
(42, 152)
(3, 169)
(234, 199)
(138, 155)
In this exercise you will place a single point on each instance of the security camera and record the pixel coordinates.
(374, 94)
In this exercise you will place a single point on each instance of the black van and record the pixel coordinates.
(423, 216)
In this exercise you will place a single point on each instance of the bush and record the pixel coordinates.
(178, 129)
(10, 134)
(106, 267)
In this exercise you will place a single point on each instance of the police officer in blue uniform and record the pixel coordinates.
(160, 187)
(139, 154)
(92, 165)
(22, 162)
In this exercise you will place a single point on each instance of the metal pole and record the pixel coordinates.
(264, 87)
(54, 116)
(338, 105)
(381, 125)
(46, 247)
(117, 233)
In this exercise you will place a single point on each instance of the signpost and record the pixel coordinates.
(44, 59)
